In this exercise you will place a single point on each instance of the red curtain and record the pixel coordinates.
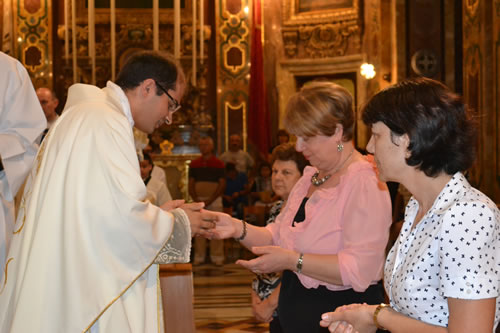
(259, 131)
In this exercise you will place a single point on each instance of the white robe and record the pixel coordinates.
(83, 259)
(21, 123)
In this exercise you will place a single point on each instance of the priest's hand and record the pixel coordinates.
(172, 204)
(202, 221)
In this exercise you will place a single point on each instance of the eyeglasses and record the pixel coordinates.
(175, 104)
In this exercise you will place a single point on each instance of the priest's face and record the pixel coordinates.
(155, 110)
(173, 102)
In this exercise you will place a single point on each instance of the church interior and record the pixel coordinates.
(243, 59)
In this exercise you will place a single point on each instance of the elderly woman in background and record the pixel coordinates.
(443, 272)
(287, 167)
(329, 240)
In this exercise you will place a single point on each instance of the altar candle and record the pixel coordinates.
(113, 38)
(73, 36)
(156, 25)
(92, 37)
(202, 33)
(177, 29)
(66, 30)
(194, 43)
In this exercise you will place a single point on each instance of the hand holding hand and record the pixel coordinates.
(271, 259)
(226, 226)
(202, 221)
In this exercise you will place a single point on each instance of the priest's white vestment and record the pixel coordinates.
(21, 123)
(83, 255)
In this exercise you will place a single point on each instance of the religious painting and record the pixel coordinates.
(304, 6)
(299, 12)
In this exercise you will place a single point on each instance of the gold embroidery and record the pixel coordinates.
(32, 176)
(123, 291)
(159, 312)
(5, 274)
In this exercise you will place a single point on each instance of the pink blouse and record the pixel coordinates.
(351, 220)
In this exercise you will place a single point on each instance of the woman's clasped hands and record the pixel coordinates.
(352, 318)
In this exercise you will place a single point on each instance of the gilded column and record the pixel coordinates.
(33, 39)
(233, 68)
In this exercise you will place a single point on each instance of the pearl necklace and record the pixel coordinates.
(317, 182)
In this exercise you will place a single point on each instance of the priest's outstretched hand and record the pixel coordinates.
(201, 220)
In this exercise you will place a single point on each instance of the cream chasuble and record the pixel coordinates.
(82, 256)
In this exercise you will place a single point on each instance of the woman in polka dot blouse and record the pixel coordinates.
(443, 273)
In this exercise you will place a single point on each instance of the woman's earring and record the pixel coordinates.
(340, 146)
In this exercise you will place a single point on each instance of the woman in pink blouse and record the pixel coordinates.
(330, 237)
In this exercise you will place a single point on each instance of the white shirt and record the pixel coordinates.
(243, 161)
(453, 252)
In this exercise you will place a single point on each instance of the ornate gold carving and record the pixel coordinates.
(327, 40)
(290, 39)
(322, 40)
(471, 6)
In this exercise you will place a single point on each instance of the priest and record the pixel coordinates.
(21, 124)
(85, 252)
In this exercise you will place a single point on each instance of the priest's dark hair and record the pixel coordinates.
(441, 132)
(159, 66)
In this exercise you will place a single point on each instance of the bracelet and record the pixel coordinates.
(299, 263)
(243, 233)
(376, 312)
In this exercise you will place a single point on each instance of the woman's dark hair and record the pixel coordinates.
(287, 152)
(442, 135)
(143, 65)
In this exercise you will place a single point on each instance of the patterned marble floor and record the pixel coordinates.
(222, 300)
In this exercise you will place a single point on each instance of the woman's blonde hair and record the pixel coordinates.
(317, 108)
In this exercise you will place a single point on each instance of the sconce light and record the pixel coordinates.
(368, 71)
